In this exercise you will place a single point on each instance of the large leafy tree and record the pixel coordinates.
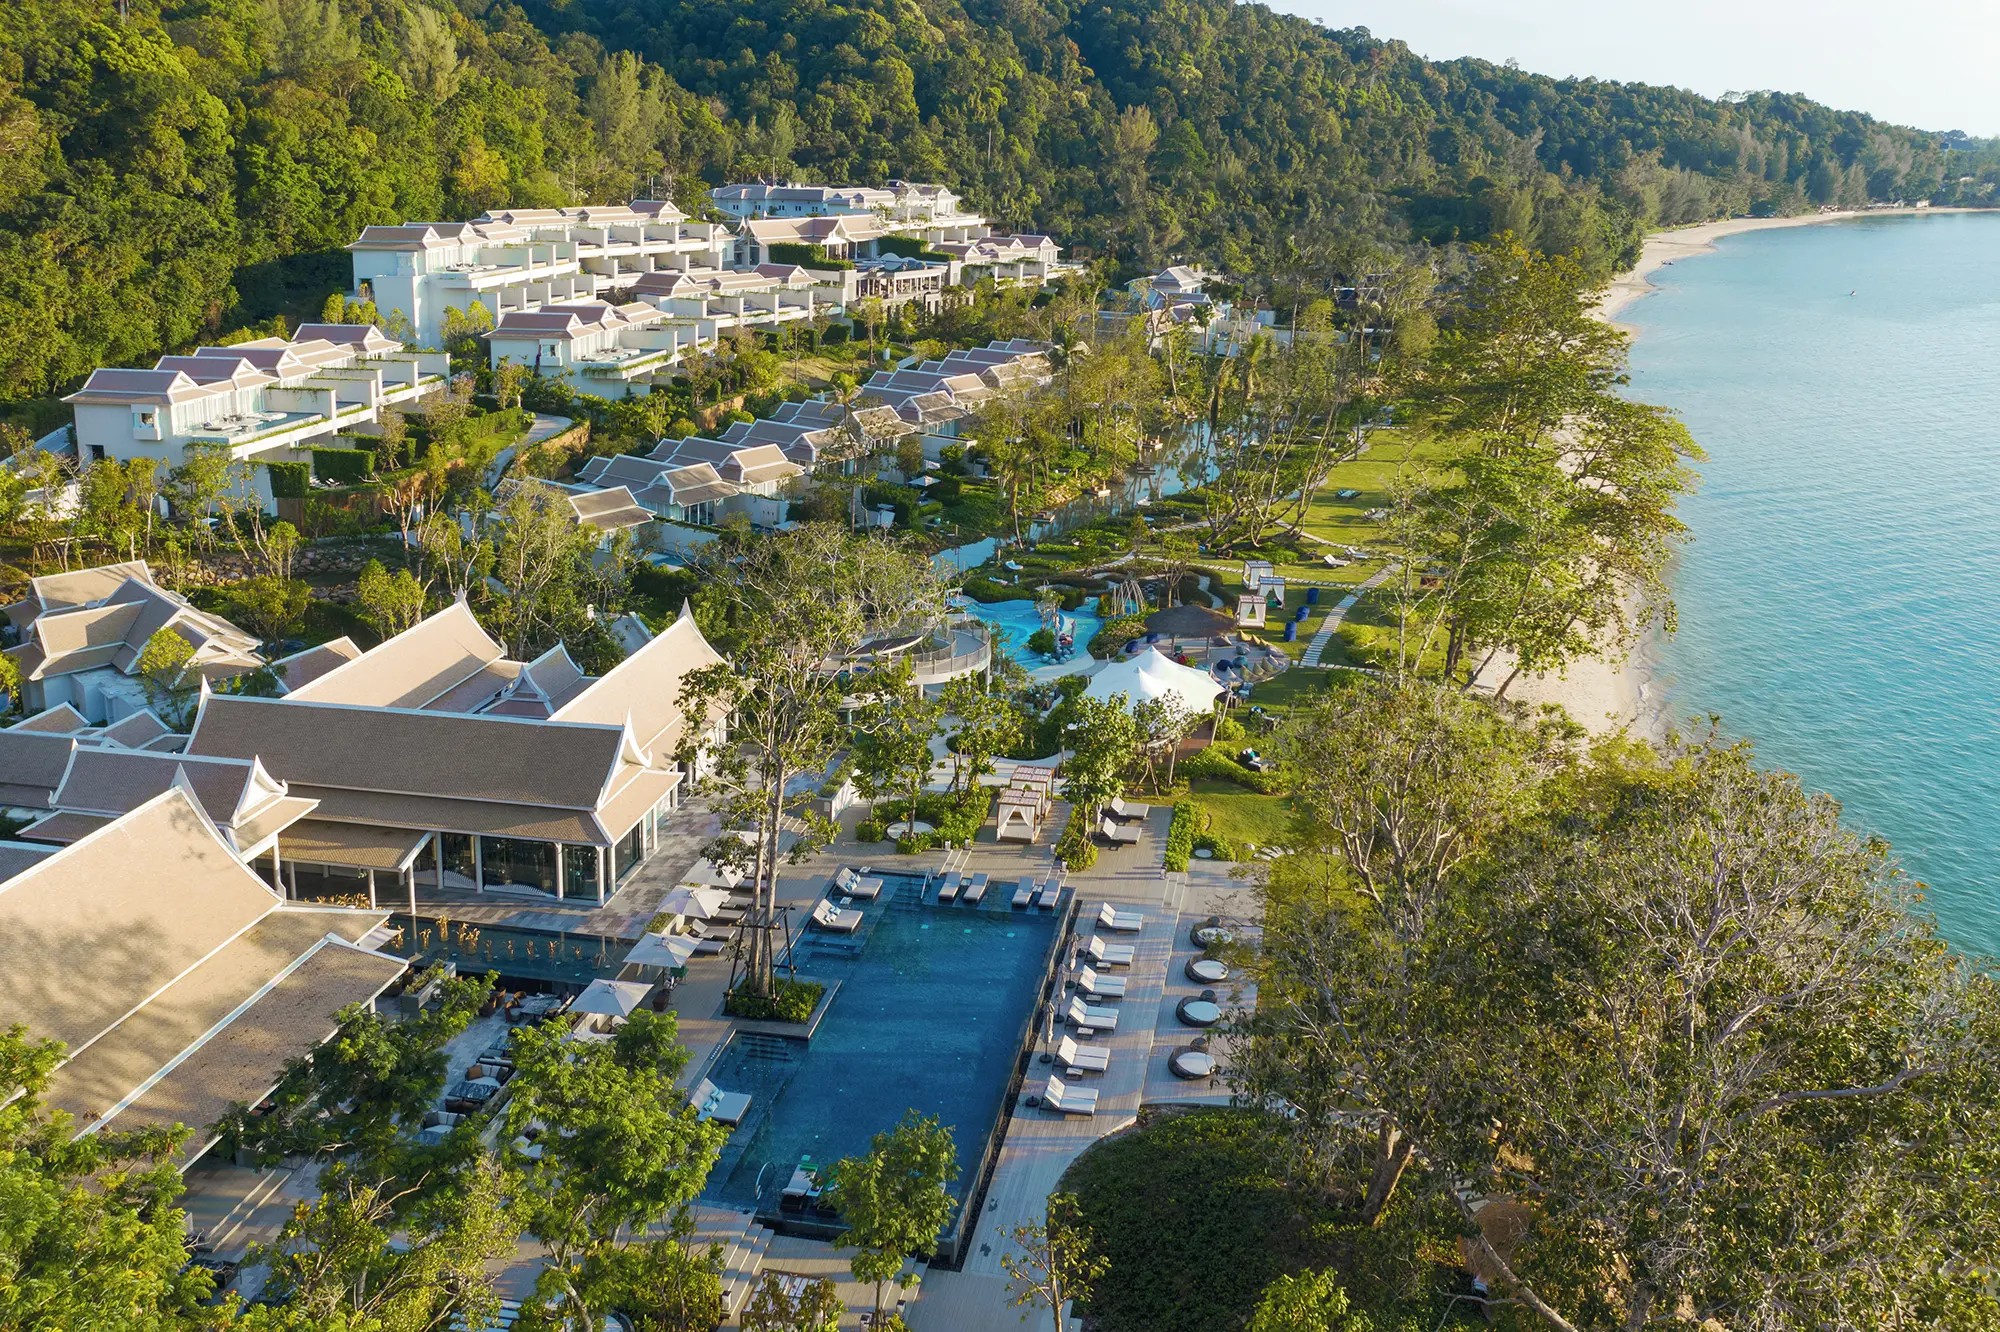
(603, 1148)
(794, 604)
(89, 1235)
(895, 1200)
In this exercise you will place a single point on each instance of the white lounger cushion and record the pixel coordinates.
(1111, 954)
(1095, 1058)
(1110, 987)
(1100, 1019)
(1070, 1100)
(1124, 922)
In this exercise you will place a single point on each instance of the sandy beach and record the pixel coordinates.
(1606, 693)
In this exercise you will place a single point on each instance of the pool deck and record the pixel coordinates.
(1040, 1144)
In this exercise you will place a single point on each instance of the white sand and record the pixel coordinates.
(1607, 693)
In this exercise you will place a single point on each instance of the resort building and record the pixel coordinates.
(595, 347)
(902, 205)
(720, 299)
(81, 634)
(267, 400)
(520, 259)
(439, 764)
(179, 983)
(818, 432)
(1009, 260)
(934, 396)
(697, 482)
(691, 493)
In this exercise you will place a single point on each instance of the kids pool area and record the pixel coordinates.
(930, 1015)
(1013, 622)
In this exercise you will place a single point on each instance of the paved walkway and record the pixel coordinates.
(1331, 625)
(544, 426)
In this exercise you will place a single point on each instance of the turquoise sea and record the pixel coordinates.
(1840, 600)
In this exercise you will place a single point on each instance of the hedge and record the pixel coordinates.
(1214, 762)
(290, 480)
(346, 467)
(806, 256)
(1180, 835)
(908, 247)
(789, 1001)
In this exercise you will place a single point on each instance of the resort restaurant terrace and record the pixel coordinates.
(439, 764)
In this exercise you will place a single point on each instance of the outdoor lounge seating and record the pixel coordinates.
(850, 883)
(1024, 893)
(830, 917)
(1199, 1010)
(1206, 971)
(1100, 987)
(1083, 1058)
(1084, 1017)
(1065, 1099)
(1128, 813)
(1118, 834)
(711, 1102)
(948, 889)
(1045, 896)
(974, 892)
(1120, 922)
(1110, 954)
(1192, 1062)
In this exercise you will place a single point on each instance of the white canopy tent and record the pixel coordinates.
(1152, 674)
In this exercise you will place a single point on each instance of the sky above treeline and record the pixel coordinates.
(1928, 63)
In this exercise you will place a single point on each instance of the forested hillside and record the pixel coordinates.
(191, 166)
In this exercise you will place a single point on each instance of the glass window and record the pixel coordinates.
(512, 862)
(580, 871)
(631, 850)
(457, 851)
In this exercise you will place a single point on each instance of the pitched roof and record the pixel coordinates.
(81, 587)
(89, 935)
(32, 764)
(232, 792)
(308, 664)
(62, 719)
(412, 669)
(643, 691)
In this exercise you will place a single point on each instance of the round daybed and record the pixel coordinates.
(1211, 933)
(1192, 1063)
(1199, 1010)
(1205, 971)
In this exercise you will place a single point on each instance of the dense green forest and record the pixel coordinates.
(174, 168)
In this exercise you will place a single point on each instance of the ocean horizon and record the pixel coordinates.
(1839, 602)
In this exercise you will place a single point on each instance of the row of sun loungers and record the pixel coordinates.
(852, 883)
(1028, 893)
(1065, 1099)
(1110, 954)
(1123, 922)
(838, 920)
(1119, 834)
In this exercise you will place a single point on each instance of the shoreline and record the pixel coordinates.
(1606, 694)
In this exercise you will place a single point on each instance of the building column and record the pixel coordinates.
(610, 875)
(410, 882)
(478, 864)
(371, 890)
(292, 880)
(437, 859)
(600, 872)
(277, 871)
(562, 855)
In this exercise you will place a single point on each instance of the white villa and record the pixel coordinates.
(267, 400)
(520, 259)
(902, 205)
(594, 347)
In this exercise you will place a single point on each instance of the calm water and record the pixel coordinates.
(1840, 601)
(1014, 622)
(930, 1015)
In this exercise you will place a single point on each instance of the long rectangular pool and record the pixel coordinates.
(932, 1006)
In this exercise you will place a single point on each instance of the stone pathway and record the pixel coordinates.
(1331, 625)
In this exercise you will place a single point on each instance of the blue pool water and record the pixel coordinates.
(1840, 600)
(1014, 621)
(930, 1016)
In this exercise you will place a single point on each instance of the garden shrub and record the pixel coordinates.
(915, 844)
(346, 467)
(871, 830)
(789, 1001)
(290, 480)
(1115, 634)
(1074, 848)
(1227, 729)
(1218, 846)
(1180, 835)
(1215, 762)
(1042, 641)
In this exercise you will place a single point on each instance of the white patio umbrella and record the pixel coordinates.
(662, 950)
(694, 900)
(612, 998)
(707, 871)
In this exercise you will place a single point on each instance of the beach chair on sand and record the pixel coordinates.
(1024, 893)
(830, 917)
(1067, 1100)
(1121, 922)
(1100, 987)
(974, 892)
(1084, 1017)
(1110, 954)
(1083, 1058)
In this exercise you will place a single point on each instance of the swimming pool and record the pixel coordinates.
(929, 1016)
(529, 958)
(1014, 621)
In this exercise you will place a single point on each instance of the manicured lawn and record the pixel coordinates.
(1243, 818)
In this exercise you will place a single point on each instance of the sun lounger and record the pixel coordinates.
(1024, 893)
(1118, 834)
(1110, 954)
(948, 889)
(975, 891)
(849, 883)
(830, 917)
(711, 1102)
(1045, 896)
(1100, 987)
(1128, 813)
(1085, 1058)
(1121, 922)
(1086, 1018)
(1065, 1099)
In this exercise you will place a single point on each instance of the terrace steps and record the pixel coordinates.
(744, 1243)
